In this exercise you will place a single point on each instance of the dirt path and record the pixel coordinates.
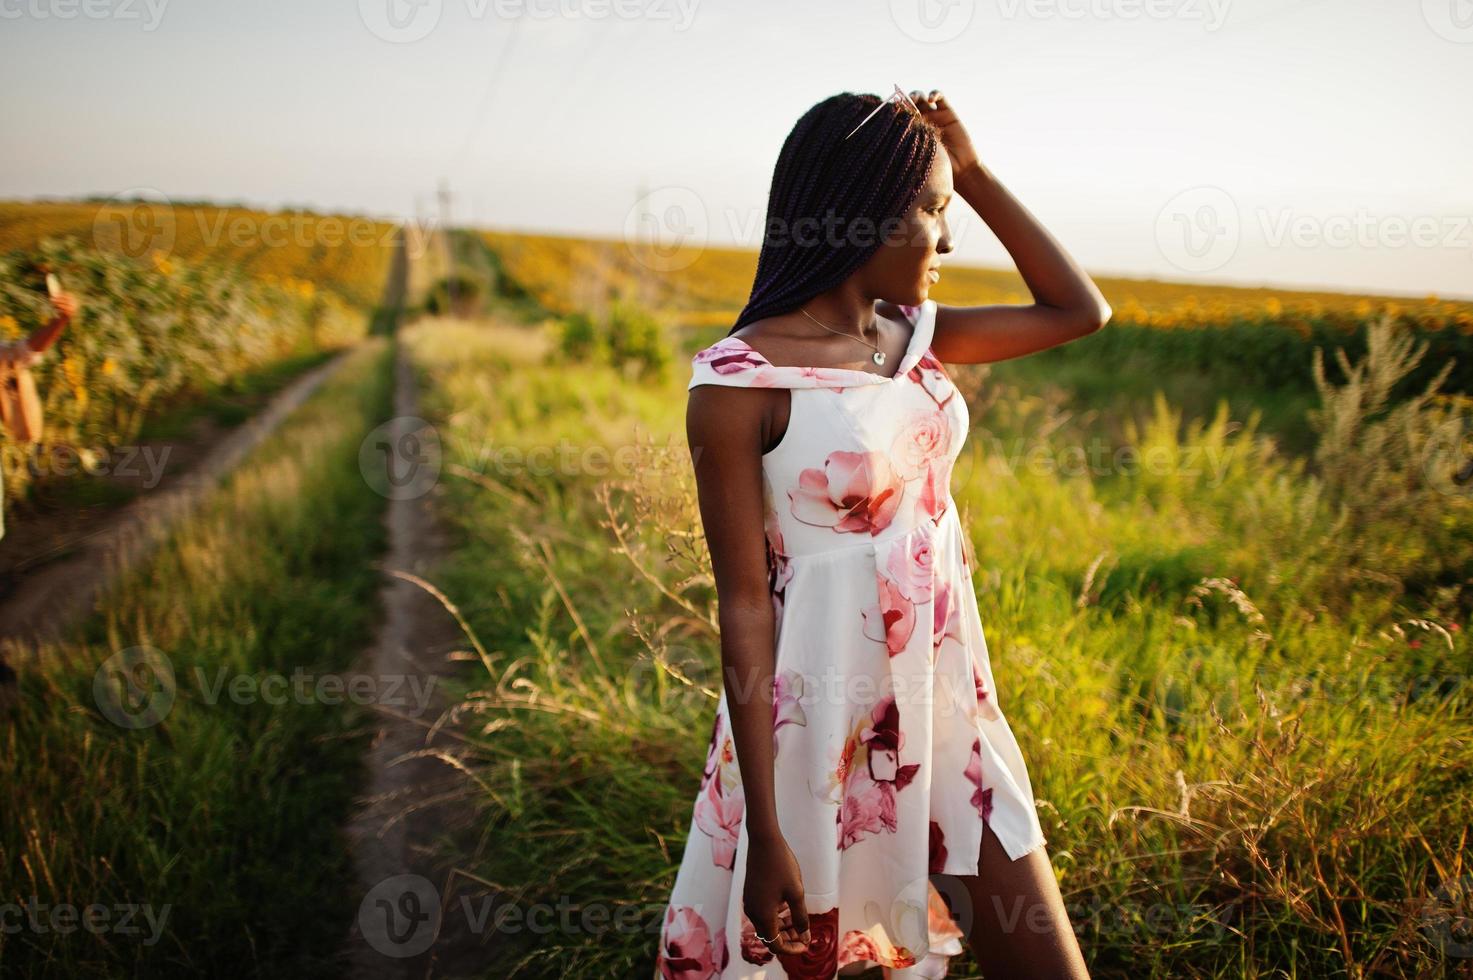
(412, 919)
(52, 597)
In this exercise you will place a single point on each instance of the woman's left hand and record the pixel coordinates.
(954, 136)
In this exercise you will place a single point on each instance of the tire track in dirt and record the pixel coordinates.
(410, 920)
(53, 597)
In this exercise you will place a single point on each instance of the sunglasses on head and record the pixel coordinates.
(898, 94)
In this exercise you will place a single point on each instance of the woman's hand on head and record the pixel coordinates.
(954, 137)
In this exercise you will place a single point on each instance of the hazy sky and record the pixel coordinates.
(1298, 142)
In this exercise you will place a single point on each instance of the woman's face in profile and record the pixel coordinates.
(900, 271)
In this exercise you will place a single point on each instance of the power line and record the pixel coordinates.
(484, 106)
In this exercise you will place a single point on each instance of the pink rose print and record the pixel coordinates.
(936, 849)
(713, 756)
(860, 945)
(688, 950)
(924, 436)
(871, 773)
(823, 375)
(868, 809)
(884, 738)
(981, 798)
(787, 708)
(945, 614)
(943, 929)
(853, 492)
(892, 619)
(876, 947)
(719, 807)
(725, 357)
(912, 568)
(933, 379)
(733, 355)
(754, 950)
(986, 705)
(779, 567)
(820, 960)
(935, 486)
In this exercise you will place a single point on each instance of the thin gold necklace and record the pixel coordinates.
(878, 357)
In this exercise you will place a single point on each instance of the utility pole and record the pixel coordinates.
(646, 243)
(444, 195)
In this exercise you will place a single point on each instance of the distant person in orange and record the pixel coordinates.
(23, 412)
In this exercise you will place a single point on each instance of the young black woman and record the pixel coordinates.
(823, 429)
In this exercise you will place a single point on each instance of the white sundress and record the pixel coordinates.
(891, 752)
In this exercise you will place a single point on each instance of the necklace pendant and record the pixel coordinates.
(878, 357)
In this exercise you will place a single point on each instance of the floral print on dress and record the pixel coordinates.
(875, 944)
(946, 616)
(753, 950)
(986, 704)
(891, 619)
(787, 703)
(732, 356)
(936, 849)
(719, 807)
(779, 569)
(932, 491)
(904, 582)
(689, 950)
(924, 436)
(870, 574)
(855, 493)
(981, 797)
(871, 774)
(911, 569)
(932, 377)
(820, 959)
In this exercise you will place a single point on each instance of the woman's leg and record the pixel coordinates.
(1017, 925)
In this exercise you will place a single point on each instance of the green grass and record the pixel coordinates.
(227, 405)
(227, 812)
(1119, 390)
(76, 493)
(234, 401)
(1247, 731)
